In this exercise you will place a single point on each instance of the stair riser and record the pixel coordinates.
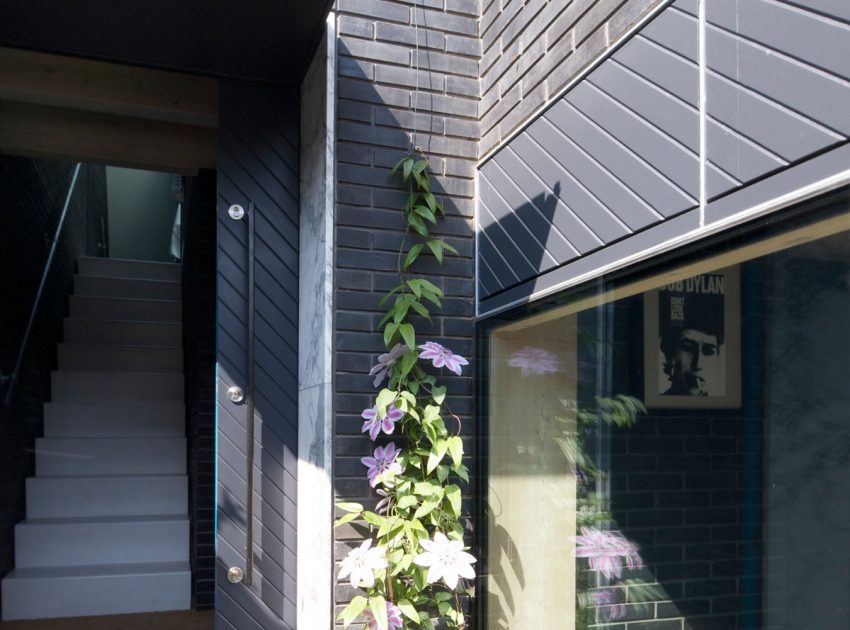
(80, 544)
(78, 596)
(142, 388)
(123, 333)
(112, 268)
(113, 421)
(73, 497)
(110, 457)
(127, 310)
(92, 358)
(124, 288)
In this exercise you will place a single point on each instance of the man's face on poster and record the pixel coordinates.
(695, 364)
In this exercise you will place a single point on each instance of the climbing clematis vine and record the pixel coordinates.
(375, 423)
(446, 560)
(382, 465)
(361, 563)
(412, 562)
(441, 356)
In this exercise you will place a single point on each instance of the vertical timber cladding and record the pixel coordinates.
(258, 164)
(620, 157)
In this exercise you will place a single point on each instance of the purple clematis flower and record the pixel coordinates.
(383, 466)
(535, 361)
(606, 551)
(374, 423)
(394, 620)
(384, 367)
(442, 356)
(610, 602)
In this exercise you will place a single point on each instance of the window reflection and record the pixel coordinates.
(676, 453)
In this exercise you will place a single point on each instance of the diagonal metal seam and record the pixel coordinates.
(625, 148)
(607, 172)
(519, 220)
(548, 189)
(534, 205)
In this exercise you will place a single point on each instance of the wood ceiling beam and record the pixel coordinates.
(90, 136)
(107, 88)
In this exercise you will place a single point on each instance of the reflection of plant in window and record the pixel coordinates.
(534, 361)
(605, 589)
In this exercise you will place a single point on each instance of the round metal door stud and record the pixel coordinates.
(236, 211)
(236, 394)
(234, 575)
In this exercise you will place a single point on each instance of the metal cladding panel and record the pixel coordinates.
(258, 164)
(777, 84)
(621, 152)
(617, 154)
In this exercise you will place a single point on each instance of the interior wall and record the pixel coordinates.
(34, 192)
(807, 442)
(141, 214)
(199, 264)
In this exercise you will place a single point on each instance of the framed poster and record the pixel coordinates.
(692, 342)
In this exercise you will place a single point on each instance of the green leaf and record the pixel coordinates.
(397, 165)
(408, 610)
(378, 606)
(431, 201)
(384, 399)
(350, 507)
(415, 286)
(453, 496)
(463, 472)
(407, 501)
(420, 166)
(373, 519)
(408, 334)
(450, 248)
(442, 473)
(436, 455)
(430, 286)
(418, 225)
(412, 255)
(389, 333)
(390, 294)
(426, 508)
(456, 449)
(408, 360)
(345, 518)
(353, 610)
(439, 394)
(436, 247)
(408, 166)
(425, 213)
(416, 306)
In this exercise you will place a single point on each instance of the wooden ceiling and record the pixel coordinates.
(77, 109)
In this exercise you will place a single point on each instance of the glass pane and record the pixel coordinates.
(675, 453)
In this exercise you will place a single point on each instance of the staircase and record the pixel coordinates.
(107, 528)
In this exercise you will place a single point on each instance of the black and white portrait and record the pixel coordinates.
(689, 350)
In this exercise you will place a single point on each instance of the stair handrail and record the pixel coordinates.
(47, 265)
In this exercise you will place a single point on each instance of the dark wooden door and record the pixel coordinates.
(258, 170)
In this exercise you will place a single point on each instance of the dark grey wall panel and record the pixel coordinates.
(616, 155)
(621, 152)
(776, 87)
(258, 162)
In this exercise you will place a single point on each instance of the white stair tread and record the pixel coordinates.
(97, 570)
(82, 520)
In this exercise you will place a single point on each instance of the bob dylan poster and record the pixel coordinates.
(692, 341)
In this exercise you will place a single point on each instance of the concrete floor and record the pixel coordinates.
(178, 620)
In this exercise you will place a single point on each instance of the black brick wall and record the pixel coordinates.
(33, 192)
(376, 79)
(199, 269)
(679, 482)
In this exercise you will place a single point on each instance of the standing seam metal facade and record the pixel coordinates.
(656, 140)
(258, 163)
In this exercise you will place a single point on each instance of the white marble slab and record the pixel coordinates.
(315, 343)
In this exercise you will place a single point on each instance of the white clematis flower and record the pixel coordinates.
(360, 564)
(445, 560)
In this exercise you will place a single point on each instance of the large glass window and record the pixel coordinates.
(671, 450)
